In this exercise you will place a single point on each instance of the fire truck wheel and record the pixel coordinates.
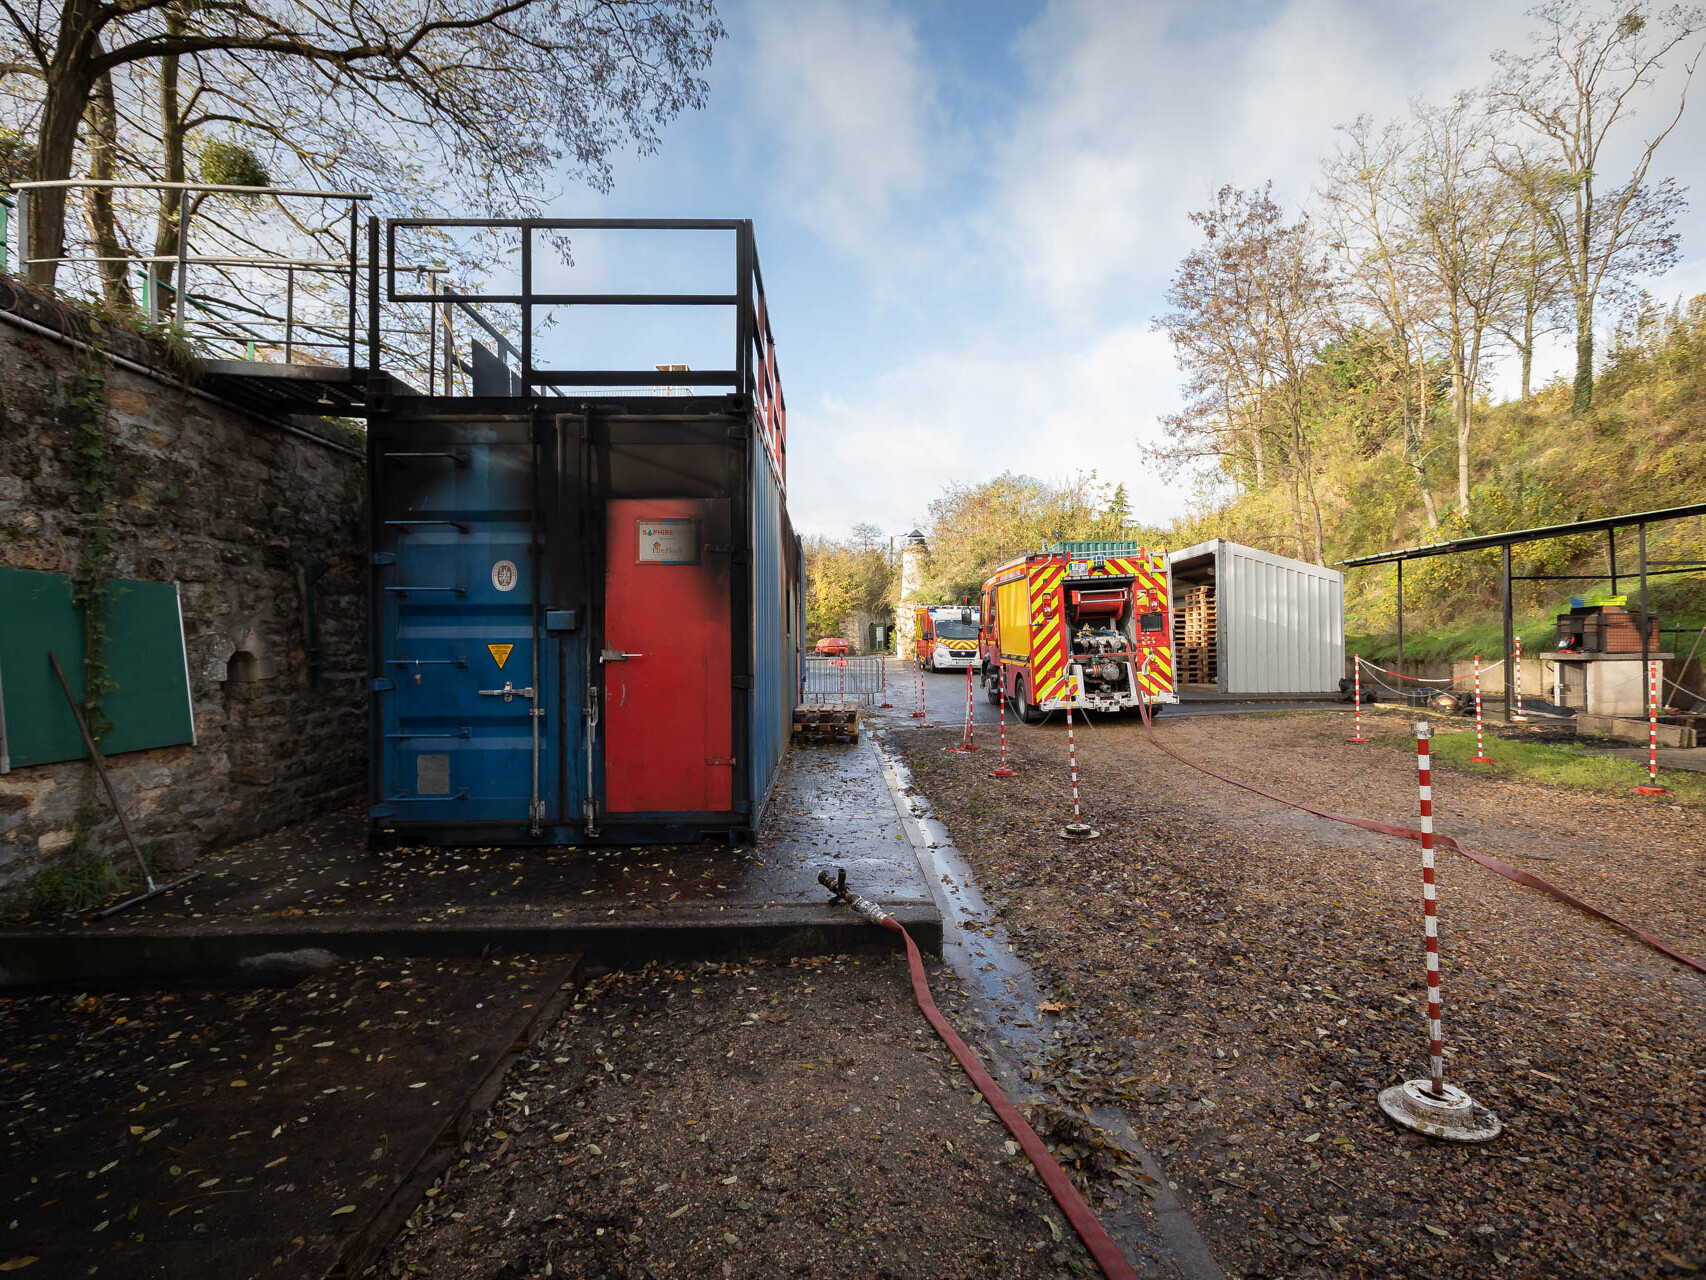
(992, 688)
(1027, 713)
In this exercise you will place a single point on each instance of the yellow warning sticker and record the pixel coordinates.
(500, 652)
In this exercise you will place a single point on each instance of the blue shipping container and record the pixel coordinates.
(586, 611)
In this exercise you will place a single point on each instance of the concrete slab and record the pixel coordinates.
(315, 887)
(1632, 730)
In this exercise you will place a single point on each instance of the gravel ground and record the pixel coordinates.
(1243, 978)
(741, 1120)
(238, 1133)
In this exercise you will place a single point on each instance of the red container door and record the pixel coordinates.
(667, 705)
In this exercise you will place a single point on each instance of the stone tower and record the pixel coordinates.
(913, 557)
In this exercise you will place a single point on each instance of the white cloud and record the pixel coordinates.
(1136, 114)
(972, 412)
(844, 91)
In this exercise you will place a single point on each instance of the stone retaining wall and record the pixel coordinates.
(231, 507)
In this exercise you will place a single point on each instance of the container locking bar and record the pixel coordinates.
(509, 693)
(617, 655)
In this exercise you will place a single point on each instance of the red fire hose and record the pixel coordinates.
(1102, 1248)
(1515, 874)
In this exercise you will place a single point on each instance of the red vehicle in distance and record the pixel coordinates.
(833, 647)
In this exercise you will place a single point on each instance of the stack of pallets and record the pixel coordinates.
(829, 722)
(1195, 633)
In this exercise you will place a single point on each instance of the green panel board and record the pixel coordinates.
(145, 656)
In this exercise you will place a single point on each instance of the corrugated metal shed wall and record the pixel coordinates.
(1281, 621)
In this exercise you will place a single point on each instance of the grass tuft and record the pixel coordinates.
(74, 883)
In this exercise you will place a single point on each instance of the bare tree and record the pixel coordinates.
(1573, 90)
(494, 97)
(1370, 228)
(1537, 296)
(865, 537)
(1298, 299)
(1250, 312)
(1220, 337)
(1465, 236)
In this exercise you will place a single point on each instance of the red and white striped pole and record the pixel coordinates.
(1077, 829)
(1651, 787)
(966, 743)
(917, 691)
(1480, 756)
(885, 702)
(971, 732)
(1519, 715)
(1072, 760)
(1001, 702)
(1431, 1106)
(841, 677)
(1358, 695)
(1430, 921)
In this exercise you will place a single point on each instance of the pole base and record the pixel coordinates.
(1646, 790)
(1079, 831)
(1480, 759)
(1452, 1115)
(885, 705)
(916, 715)
(1359, 739)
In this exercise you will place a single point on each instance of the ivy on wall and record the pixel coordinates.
(87, 392)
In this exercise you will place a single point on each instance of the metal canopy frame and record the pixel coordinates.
(1503, 542)
(754, 371)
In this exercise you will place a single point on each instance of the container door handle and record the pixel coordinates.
(617, 655)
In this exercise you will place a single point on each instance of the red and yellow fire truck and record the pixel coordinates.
(1099, 612)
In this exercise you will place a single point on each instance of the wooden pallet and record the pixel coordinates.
(827, 722)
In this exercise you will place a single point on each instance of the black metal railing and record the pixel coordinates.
(753, 371)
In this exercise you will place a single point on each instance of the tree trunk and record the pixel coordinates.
(1527, 348)
(1258, 445)
(1460, 420)
(70, 80)
(1296, 505)
(1428, 507)
(98, 201)
(1413, 442)
(1581, 396)
(166, 228)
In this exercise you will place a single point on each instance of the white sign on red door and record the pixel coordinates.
(674, 541)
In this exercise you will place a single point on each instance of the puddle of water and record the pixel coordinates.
(1159, 1238)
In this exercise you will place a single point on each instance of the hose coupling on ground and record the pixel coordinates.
(862, 907)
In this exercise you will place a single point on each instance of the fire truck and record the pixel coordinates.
(1092, 616)
(947, 637)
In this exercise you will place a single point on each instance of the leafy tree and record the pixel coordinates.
(974, 527)
(844, 579)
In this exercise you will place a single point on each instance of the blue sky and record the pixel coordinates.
(967, 213)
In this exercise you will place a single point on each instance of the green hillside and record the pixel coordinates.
(1642, 446)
